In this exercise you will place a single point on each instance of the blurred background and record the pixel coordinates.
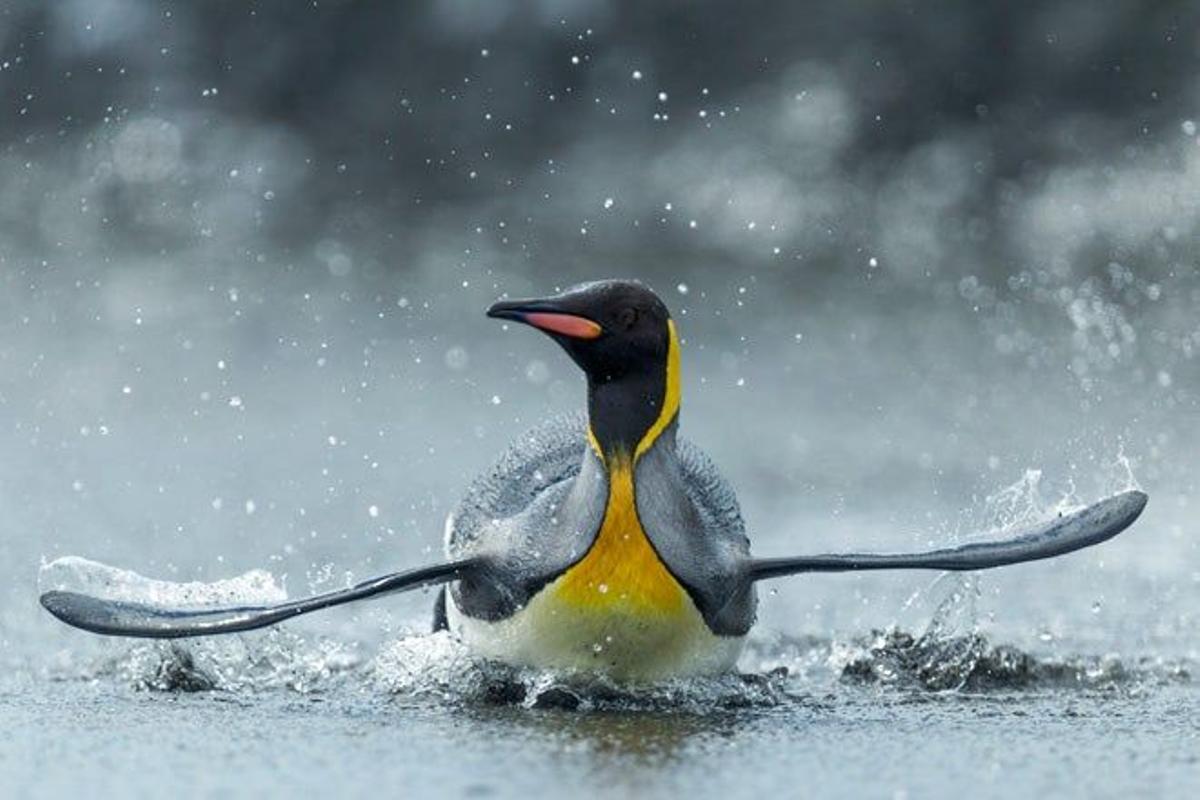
(935, 266)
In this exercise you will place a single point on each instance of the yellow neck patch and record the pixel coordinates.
(621, 570)
(670, 401)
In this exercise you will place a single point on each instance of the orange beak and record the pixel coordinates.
(544, 316)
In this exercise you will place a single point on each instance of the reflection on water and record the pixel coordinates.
(618, 738)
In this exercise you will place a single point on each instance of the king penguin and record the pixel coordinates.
(605, 542)
(613, 542)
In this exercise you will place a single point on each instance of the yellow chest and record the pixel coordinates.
(621, 572)
(618, 610)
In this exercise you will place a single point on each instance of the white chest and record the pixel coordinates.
(623, 643)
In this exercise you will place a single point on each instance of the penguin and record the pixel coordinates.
(637, 540)
(603, 542)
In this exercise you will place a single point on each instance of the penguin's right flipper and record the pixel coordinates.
(1069, 532)
(126, 618)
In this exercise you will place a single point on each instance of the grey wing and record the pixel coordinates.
(714, 498)
(532, 515)
(543, 457)
(691, 515)
(149, 620)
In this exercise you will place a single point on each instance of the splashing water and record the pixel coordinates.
(76, 574)
(439, 666)
(1021, 502)
(277, 658)
(950, 654)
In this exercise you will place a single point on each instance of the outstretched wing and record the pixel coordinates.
(1069, 532)
(125, 618)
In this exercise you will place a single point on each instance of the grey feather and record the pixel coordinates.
(691, 516)
(537, 511)
(532, 515)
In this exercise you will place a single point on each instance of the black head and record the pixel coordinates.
(620, 334)
(612, 329)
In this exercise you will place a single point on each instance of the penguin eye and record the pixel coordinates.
(627, 317)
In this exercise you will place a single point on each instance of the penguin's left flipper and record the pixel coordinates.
(1069, 532)
(126, 618)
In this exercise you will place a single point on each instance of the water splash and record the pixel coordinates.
(781, 671)
(276, 658)
(1019, 503)
(439, 666)
(77, 574)
(972, 663)
(1024, 501)
(1119, 472)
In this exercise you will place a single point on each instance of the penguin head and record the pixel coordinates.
(612, 329)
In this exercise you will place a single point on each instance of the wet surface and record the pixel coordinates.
(81, 736)
(276, 713)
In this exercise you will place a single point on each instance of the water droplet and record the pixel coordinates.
(537, 372)
(456, 358)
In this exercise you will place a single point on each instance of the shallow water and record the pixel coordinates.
(144, 745)
(1068, 728)
(935, 686)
